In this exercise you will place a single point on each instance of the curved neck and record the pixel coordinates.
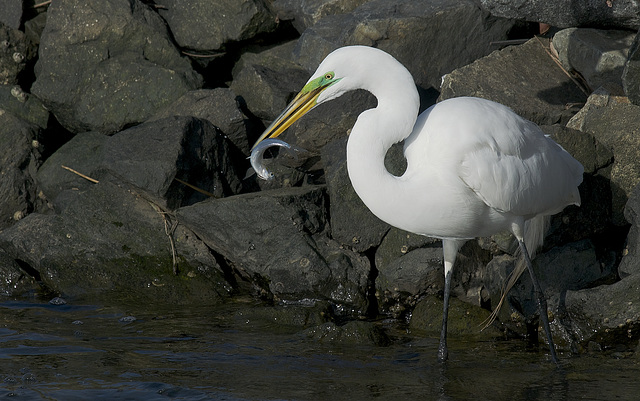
(375, 131)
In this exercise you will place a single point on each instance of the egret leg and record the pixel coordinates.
(443, 353)
(542, 302)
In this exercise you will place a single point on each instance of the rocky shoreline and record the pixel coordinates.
(125, 127)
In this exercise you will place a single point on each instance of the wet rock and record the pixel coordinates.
(631, 73)
(351, 333)
(568, 13)
(524, 78)
(267, 81)
(28, 108)
(19, 160)
(219, 106)
(464, 319)
(11, 15)
(398, 243)
(305, 14)
(399, 28)
(108, 65)
(598, 55)
(151, 155)
(611, 120)
(277, 240)
(285, 317)
(14, 54)
(110, 242)
(15, 281)
(606, 315)
(210, 25)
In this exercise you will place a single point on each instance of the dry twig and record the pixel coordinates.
(86, 177)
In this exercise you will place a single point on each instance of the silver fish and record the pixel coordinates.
(257, 153)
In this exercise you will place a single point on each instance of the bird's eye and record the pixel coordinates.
(329, 75)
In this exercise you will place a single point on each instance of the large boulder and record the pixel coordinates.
(304, 14)
(108, 65)
(110, 242)
(524, 78)
(150, 157)
(399, 28)
(599, 56)
(277, 240)
(210, 25)
(570, 13)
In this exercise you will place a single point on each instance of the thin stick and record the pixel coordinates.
(86, 177)
(169, 231)
(44, 3)
(202, 191)
(555, 60)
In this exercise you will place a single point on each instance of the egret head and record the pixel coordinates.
(341, 71)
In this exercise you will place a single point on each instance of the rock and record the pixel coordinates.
(464, 319)
(352, 223)
(151, 155)
(631, 73)
(630, 264)
(399, 28)
(277, 240)
(108, 65)
(210, 25)
(402, 281)
(606, 315)
(283, 317)
(598, 55)
(613, 122)
(14, 54)
(398, 243)
(15, 281)
(34, 27)
(524, 78)
(11, 15)
(19, 160)
(220, 107)
(305, 14)
(19, 103)
(569, 13)
(83, 153)
(267, 81)
(110, 242)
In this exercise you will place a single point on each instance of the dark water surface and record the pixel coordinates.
(138, 352)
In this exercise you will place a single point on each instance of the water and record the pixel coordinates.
(142, 352)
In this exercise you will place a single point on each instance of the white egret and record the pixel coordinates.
(474, 167)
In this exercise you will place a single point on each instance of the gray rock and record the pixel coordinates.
(277, 240)
(352, 223)
(608, 118)
(631, 73)
(151, 155)
(23, 105)
(19, 160)
(110, 242)
(210, 25)
(569, 13)
(14, 54)
(350, 334)
(34, 27)
(108, 65)
(598, 55)
(399, 29)
(267, 81)
(15, 281)
(630, 264)
(305, 14)
(83, 153)
(219, 106)
(524, 78)
(398, 243)
(11, 15)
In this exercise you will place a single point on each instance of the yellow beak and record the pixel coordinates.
(299, 106)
